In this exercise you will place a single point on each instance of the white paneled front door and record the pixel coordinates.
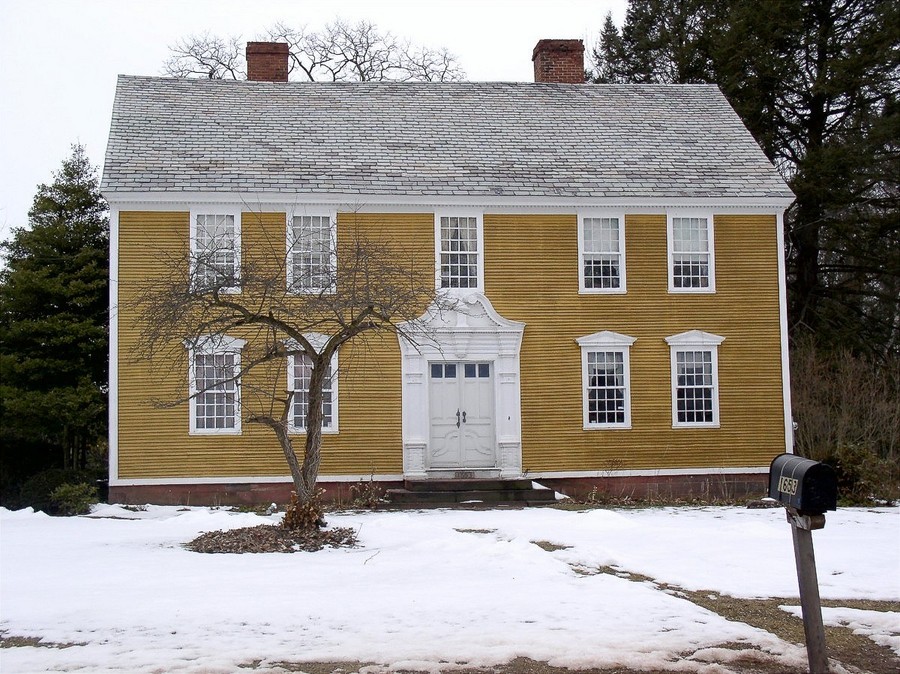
(462, 415)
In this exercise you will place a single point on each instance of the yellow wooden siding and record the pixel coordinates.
(154, 442)
(531, 275)
(531, 272)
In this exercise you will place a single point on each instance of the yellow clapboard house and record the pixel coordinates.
(616, 250)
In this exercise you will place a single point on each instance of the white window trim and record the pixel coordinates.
(212, 345)
(606, 340)
(217, 209)
(289, 263)
(459, 213)
(318, 343)
(694, 340)
(670, 252)
(622, 289)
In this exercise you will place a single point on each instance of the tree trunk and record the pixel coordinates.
(805, 235)
(287, 446)
(314, 419)
(305, 474)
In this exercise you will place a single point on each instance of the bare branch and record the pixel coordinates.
(206, 55)
(340, 52)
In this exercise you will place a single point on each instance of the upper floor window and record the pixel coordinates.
(601, 243)
(695, 378)
(216, 250)
(299, 373)
(215, 385)
(606, 375)
(312, 245)
(691, 254)
(459, 251)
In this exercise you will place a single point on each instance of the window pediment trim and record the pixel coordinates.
(210, 344)
(694, 338)
(606, 338)
(317, 339)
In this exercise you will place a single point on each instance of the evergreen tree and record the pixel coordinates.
(662, 41)
(53, 325)
(609, 55)
(818, 88)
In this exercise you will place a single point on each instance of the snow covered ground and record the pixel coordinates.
(424, 587)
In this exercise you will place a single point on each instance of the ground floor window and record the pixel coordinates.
(299, 373)
(695, 385)
(606, 387)
(215, 385)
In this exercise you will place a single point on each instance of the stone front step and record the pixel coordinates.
(469, 484)
(436, 493)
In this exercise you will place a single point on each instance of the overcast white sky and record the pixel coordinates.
(59, 58)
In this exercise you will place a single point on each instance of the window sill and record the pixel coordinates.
(692, 291)
(302, 431)
(311, 291)
(215, 431)
(602, 291)
(458, 292)
(606, 427)
(714, 424)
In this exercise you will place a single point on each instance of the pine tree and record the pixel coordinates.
(817, 82)
(53, 325)
(609, 55)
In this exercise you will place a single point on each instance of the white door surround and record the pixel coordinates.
(472, 332)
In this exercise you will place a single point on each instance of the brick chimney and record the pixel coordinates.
(267, 61)
(559, 61)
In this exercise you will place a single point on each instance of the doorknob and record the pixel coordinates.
(464, 417)
(457, 418)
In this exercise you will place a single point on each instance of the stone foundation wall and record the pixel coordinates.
(664, 487)
(639, 488)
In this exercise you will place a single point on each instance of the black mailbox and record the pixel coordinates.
(808, 486)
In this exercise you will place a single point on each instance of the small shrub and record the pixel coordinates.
(366, 494)
(36, 490)
(862, 476)
(847, 408)
(307, 516)
(74, 499)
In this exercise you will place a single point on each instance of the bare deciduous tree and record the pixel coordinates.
(340, 52)
(847, 408)
(206, 55)
(290, 311)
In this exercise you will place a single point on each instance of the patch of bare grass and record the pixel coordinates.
(550, 547)
(842, 644)
(12, 641)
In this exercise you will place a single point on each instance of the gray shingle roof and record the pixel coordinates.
(429, 139)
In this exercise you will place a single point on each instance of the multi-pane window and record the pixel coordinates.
(215, 250)
(311, 253)
(459, 252)
(691, 256)
(215, 386)
(605, 380)
(695, 388)
(602, 255)
(606, 387)
(470, 370)
(299, 373)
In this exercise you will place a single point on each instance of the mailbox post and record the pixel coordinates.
(806, 489)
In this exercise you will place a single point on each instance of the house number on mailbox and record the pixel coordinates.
(788, 485)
